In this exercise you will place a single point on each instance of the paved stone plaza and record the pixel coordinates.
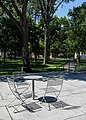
(73, 98)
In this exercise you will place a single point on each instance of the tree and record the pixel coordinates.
(34, 35)
(16, 10)
(48, 8)
(78, 28)
(9, 37)
(57, 36)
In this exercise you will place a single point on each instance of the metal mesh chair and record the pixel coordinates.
(52, 90)
(20, 90)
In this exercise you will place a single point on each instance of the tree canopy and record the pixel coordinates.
(35, 20)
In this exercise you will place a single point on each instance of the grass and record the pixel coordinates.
(12, 65)
(81, 65)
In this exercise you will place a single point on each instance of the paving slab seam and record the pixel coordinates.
(6, 107)
(78, 93)
(1, 96)
(70, 118)
(71, 94)
(81, 110)
(72, 85)
(9, 113)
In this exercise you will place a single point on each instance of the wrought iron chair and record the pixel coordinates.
(52, 90)
(20, 90)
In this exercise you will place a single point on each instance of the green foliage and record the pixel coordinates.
(9, 35)
(78, 27)
(58, 35)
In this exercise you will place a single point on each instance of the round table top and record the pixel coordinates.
(32, 77)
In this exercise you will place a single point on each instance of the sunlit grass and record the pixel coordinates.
(37, 66)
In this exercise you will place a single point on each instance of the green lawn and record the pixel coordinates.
(81, 66)
(14, 65)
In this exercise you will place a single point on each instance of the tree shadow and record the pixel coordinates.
(66, 75)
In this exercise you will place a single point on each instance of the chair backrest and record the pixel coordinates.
(55, 81)
(14, 88)
(54, 84)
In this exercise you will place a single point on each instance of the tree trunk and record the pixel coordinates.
(78, 57)
(22, 27)
(35, 44)
(25, 51)
(11, 54)
(46, 45)
(49, 50)
(14, 52)
(4, 54)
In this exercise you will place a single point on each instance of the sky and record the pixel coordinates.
(62, 11)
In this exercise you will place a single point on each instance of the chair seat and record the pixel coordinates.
(27, 95)
(32, 106)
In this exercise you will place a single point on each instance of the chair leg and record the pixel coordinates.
(49, 107)
(43, 99)
(14, 106)
(9, 105)
(16, 109)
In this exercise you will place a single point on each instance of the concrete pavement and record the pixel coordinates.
(73, 98)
